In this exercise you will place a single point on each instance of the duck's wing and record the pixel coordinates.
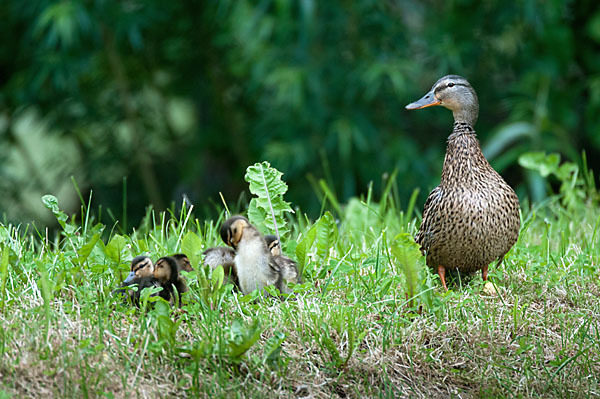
(430, 218)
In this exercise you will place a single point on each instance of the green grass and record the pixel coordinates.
(350, 331)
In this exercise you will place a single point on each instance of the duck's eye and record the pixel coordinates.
(450, 84)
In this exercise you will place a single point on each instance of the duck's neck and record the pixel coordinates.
(464, 159)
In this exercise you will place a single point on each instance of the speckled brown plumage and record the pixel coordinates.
(472, 217)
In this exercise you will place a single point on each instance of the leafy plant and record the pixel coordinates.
(575, 187)
(267, 209)
(409, 257)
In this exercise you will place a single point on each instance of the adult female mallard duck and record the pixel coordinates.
(472, 217)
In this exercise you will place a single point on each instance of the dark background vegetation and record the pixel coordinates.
(181, 96)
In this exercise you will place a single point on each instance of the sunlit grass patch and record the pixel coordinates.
(368, 320)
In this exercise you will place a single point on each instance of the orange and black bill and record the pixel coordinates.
(428, 100)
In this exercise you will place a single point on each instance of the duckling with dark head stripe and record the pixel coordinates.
(166, 273)
(289, 268)
(141, 274)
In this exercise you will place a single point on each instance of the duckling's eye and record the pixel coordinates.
(450, 84)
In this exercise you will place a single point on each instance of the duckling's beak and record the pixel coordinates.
(130, 277)
(428, 100)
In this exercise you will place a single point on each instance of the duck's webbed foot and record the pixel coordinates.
(484, 273)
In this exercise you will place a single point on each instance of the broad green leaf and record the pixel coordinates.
(243, 338)
(539, 161)
(115, 248)
(304, 246)
(191, 245)
(85, 250)
(217, 278)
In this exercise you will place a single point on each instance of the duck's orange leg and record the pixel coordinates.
(484, 273)
(442, 273)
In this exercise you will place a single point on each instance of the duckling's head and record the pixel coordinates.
(455, 93)
(232, 230)
(141, 266)
(165, 270)
(183, 262)
(273, 244)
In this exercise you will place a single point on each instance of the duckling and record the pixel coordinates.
(141, 274)
(141, 266)
(183, 263)
(254, 264)
(472, 217)
(289, 268)
(223, 256)
(166, 273)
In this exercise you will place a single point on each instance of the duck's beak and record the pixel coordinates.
(130, 277)
(428, 100)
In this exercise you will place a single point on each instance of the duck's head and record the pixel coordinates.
(141, 266)
(166, 270)
(232, 230)
(183, 262)
(455, 93)
(273, 244)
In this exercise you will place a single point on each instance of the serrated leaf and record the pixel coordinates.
(326, 234)
(410, 259)
(272, 348)
(258, 216)
(268, 204)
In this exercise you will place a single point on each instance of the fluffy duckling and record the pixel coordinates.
(141, 266)
(289, 268)
(225, 257)
(166, 273)
(183, 263)
(254, 264)
(142, 270)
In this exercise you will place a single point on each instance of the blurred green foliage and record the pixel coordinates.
(180, 97)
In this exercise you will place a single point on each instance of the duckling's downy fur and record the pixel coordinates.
(254, 264)
(288, 267)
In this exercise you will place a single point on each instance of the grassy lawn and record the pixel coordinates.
(369, 320)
